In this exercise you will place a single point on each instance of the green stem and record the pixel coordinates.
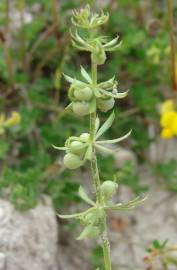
(96, 178)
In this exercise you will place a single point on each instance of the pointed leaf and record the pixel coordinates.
(84, 196)
(127, 206)
(111, 43)
(77, 215)
(116, 140)
(114, 48)
(81, 48)
(68, 108)
(118, 95)
(104, 149)
(107, 84)
(88, 154)
(106, 125)
(59, 148)
(68, 78)
(85, 232)
(97, 124)
(85, 75)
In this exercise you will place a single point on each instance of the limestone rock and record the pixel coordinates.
(123, 155)
(28, 240)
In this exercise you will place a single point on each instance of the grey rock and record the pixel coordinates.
(28, 240)
(123, 155)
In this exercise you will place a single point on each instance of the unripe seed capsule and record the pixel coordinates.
(108, 189)
(72, 161)
(99, 56)
(81, 108)
(106, 104)
(77, 147)
(85, 137)
(83, 94)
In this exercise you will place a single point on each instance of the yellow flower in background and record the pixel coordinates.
(167, 106)
(13, 120)
(166, 133)
(168, 120)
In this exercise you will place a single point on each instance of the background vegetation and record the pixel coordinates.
(35, 49)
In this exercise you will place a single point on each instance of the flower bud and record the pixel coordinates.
(72, 161)
(77, 147)
(108, 189)
(105, 104)
(81, 108)
(84, 94)
(85, 137)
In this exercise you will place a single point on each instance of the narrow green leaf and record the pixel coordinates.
(86, 232)
(114, 48)
(68, 78)
(85, 75)
(104, 149)
(127, 206)
(106, 125)
(84, 196)
(88, 154)
(78, 46)
(77, 215)
(59, 148)
(111, 43)
(118, 95)
(115, 140)
(107, 84)
(97, 124)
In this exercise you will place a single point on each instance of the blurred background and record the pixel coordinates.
(35, 50)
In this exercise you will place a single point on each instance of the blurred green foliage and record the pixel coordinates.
(33, 55)
(167, 174)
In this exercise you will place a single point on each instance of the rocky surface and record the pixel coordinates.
(28, 240)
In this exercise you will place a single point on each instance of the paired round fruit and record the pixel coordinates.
(81, 108)
(72, 161)
(77, 147)
(83, 94)
(108, 189)
(85, 137)
(105, 104)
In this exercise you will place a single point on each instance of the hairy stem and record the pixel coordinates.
(96, 178)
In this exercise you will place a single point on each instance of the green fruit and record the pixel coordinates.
(72, 161)
(105, 104)
(77, 147)
(99, 55)
(81, 108)
(83, 94)
(108, 189)
(85, 137)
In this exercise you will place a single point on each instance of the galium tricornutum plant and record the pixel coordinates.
(86, 98)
